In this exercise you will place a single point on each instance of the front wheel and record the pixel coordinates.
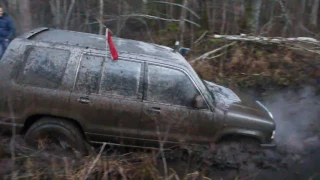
(56, 136)
(232, 153)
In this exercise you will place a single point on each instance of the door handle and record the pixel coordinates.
(154, 110)
(84, 100)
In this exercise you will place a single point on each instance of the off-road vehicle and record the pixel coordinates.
(65, 85)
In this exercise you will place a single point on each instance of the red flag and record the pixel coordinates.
(112, 47)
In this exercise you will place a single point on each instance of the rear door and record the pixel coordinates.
(168, 111)
(38, 88)
(106, 96)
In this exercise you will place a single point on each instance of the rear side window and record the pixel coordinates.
(89, 74)
(44, 67)
(107, 77)
(121, 78)
(170, 86)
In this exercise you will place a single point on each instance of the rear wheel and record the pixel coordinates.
(56, 136)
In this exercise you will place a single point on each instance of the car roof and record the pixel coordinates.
(126, 47)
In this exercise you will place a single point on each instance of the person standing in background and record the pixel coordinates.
(7, 30)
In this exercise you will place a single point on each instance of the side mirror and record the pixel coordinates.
(184, 51)
(198, 102)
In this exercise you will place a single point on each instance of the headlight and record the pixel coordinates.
(270, 114)
(273, 134)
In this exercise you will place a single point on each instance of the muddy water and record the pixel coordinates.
(297, 115)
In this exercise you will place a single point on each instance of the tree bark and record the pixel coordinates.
(256, 16)
(25, 16)
(314, 13)
(12, 5)
(66, 22)
(224, 17)
(210, 14)
(119, 21)
(182, 21)
(101, 17)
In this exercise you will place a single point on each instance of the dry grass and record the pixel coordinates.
(31, 164)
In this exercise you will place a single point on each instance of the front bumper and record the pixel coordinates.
(270, 145)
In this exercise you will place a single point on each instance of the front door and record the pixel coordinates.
(106, 96)
(168, 112)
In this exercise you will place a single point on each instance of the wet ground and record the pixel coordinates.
(297, 156)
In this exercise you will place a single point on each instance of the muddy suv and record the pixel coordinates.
(65, 85)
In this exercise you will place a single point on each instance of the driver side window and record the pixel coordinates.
(170, 86)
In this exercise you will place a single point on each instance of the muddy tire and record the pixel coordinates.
(56, 136)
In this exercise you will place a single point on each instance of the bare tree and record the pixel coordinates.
(66, 22)
(314, 13)
(256, 15)
(286, 16)
(224, 17)
(182, 21)
(25, 15)
(56, 11)
(101, 17)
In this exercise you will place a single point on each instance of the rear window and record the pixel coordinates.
(102, 76)
(44, 67)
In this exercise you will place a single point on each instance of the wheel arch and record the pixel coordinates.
(35, 118)
(240, 133)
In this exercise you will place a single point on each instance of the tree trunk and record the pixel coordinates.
(101, 17)
(25, 16)
(314, 13)
(285, 15)
(210, 10)
(66, 22)
(12, 5)
(224, 17)
(256, 16)
(182, 22)
(171, 9)
(58, 13)
(119, 20)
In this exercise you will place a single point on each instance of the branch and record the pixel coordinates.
(159, 18)
(205, 56)
(179, 6)
(96, 160)
(200, 37)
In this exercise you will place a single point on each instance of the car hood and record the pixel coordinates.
(225, 98)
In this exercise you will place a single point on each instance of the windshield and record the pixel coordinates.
(208, 89)
(204, 88)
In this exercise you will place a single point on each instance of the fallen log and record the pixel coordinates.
(244, 37)
(299, 43)
(207, 54)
